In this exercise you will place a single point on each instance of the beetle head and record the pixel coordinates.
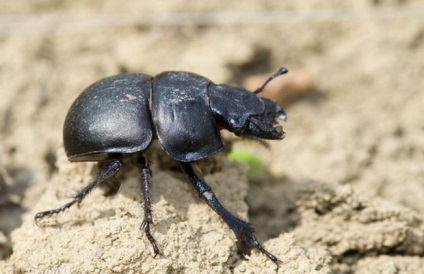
(245, 113)
(266, 124)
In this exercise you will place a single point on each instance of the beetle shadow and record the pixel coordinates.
(14, 181)
(272, 205)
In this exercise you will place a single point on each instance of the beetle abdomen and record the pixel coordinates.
(109, 117)
(182, 117)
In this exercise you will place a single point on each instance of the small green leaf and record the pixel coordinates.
(248, 157)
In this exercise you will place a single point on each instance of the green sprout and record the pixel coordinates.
(247, 157)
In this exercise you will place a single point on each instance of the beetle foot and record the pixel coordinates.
(48, 213)
(247, 241)
(148, 220)
(145, 225)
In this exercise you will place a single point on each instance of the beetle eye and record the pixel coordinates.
(281, 115)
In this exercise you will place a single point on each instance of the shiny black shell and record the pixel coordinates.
(110, 118)
(184, 122)
(120, 115)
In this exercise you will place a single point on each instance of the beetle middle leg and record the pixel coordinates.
(148, 220)
(242, 230)
(107, 171)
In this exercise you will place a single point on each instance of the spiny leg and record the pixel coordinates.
(243, 230)
(145, 177)
(106, 172)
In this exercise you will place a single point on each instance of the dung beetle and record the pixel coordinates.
(118, 117)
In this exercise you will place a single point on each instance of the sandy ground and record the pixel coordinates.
(342, 193)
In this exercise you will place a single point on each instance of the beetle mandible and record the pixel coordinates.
(119, 116)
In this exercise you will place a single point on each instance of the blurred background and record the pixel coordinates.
(354, 93)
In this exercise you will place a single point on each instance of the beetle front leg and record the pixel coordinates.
(242, 230)
(147, 205)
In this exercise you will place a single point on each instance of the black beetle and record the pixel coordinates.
(119, 116)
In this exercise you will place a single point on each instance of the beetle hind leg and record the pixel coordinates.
(106, 172)
(148, 220)
(244, 231)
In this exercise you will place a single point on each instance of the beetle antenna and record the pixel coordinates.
(279, 72)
